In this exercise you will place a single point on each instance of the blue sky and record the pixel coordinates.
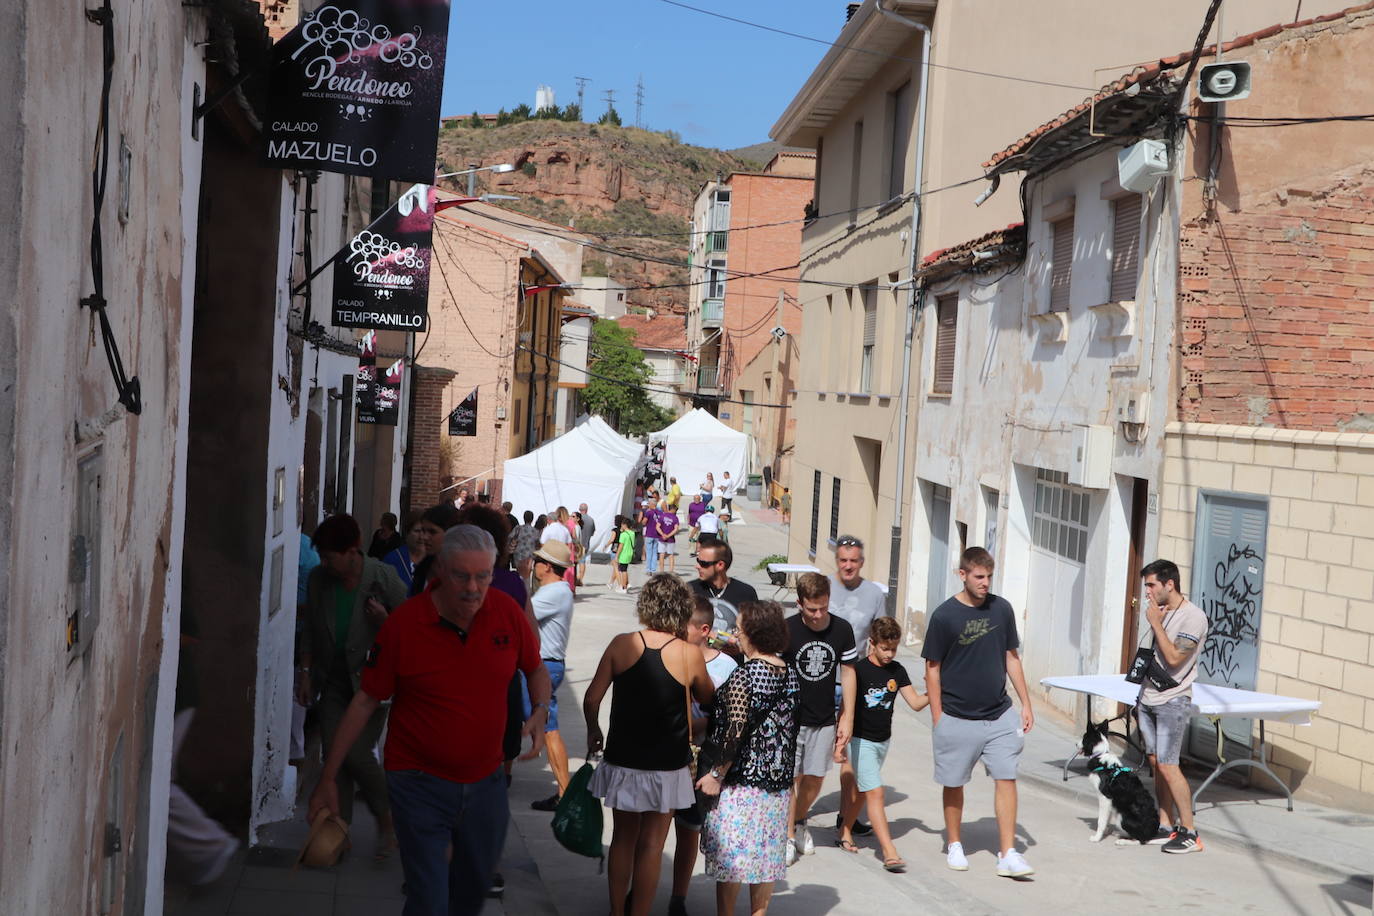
(716, 83)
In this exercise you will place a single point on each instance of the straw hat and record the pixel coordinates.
(327, 841)
(555, 552)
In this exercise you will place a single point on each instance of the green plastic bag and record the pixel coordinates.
(577, 820)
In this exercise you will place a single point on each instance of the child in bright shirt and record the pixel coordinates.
(880, 680)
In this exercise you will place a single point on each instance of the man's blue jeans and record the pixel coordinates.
(651, 555)
(430, 814)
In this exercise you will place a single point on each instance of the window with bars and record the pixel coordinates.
(1060, 520)
(815, 509)
(870, 340)
(1125, 248)
(1061, 265)
(946, 335)
(834, 509)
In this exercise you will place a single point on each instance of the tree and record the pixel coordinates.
(520, 112)
(476, 121)
(572, 112)
(503, 118)
(617, 375)
(610, 117)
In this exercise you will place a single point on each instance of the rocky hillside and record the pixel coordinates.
(631, 189)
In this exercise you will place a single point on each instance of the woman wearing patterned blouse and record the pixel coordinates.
(751, 753)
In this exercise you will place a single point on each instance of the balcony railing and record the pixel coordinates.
(717, 241)
(712, 312)
(708, 377)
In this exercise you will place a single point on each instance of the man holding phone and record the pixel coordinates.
(1179, 628)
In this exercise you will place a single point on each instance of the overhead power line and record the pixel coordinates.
(885, 56)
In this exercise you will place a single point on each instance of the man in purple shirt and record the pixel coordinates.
(651, 535)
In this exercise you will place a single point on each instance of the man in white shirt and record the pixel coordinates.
(727, 493)
(708, 523)
(859, 601)
(555, 530)
(552, 603)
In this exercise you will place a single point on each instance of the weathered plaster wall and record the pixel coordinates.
(67, 721)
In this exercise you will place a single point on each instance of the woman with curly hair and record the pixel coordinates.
(644, 777)
(750, 754)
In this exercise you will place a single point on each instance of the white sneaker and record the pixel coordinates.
(955, 857)
(804, 841)
(792, 853)
(1013, 865)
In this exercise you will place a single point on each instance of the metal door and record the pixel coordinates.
(937, 576)
(1228, 584)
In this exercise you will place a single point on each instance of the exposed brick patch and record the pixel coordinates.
(1276, 304)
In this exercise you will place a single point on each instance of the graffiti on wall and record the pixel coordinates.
(1232, 607)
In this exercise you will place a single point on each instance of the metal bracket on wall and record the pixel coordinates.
(200, 109)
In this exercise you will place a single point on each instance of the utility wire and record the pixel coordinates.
(885, 56)
(1231, 121)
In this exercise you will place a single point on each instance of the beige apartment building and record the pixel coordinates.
(861, 110)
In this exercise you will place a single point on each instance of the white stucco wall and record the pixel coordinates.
(1019, 391)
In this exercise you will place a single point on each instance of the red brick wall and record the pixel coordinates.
(429, 419)
(1276, 309)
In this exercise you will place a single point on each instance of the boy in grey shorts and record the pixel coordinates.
(970, 649)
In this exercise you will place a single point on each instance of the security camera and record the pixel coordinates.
(778, 332)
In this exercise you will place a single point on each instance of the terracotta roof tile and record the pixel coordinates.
(1149, 73)
(659, 332)
(937, 261)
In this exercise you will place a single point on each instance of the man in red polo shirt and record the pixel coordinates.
(444, 659)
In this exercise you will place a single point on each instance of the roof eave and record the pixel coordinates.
(792, 128)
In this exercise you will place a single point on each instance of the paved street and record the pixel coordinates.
(1055, 822)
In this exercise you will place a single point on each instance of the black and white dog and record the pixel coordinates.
(1122, 799)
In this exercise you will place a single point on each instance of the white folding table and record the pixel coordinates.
(1212, 702)
(788, 569)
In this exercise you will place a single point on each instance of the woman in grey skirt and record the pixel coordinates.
(751, 754)
(644, 777)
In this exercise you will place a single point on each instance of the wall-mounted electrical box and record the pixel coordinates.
(1090, 464)
(1133, 407)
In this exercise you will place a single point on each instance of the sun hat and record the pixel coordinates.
(555, 552)
(327, 841)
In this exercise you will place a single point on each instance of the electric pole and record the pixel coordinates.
(639, 102)
(609, 96)
(582, 82)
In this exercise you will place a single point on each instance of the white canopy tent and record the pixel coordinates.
(601, 432)
(697, 443)
(577, 467)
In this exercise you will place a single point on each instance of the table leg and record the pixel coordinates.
(1088, 715)
(1259, 764)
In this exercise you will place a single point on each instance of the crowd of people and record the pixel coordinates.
(726, 714)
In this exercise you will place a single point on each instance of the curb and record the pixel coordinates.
(1222, 837)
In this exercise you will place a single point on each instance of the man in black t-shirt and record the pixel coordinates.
(821, 647)
(970, 649)
(713, 580)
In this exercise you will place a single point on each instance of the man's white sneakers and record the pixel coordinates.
(805, 844)
(1013, 865)
(793, 854)
(955, 857)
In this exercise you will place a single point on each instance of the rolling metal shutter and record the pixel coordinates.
(1125, 248)
(946, 333)
(1061, 270)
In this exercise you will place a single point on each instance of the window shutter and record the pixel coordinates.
(1061, 269)
(1125, 248)
(946, 333)
(870, 317)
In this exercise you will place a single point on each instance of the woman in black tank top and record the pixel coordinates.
(645, 776)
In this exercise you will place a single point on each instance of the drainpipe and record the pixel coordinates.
(914, 301)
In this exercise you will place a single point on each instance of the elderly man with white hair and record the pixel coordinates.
(444, 659)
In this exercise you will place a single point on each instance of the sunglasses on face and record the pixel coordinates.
(701, 562)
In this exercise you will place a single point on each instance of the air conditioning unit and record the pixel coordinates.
(1138, 167)
(1223, 82)
(1134, 407)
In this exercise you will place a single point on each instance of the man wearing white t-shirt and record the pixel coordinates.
(552, 604)
(555, 531)
(727, 493)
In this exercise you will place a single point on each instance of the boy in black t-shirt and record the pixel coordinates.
(970, 650)
(821, 648)
(880, 679)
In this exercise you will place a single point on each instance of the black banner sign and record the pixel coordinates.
(366, 387)
(381, 280)
(355, 88)
(462, 420)
(388, 408)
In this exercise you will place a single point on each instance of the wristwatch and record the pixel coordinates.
(716, 774)
(534, 706)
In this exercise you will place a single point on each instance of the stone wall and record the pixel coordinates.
(1318, 603)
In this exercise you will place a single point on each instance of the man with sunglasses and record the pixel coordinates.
(859, 601)
(713, 581)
